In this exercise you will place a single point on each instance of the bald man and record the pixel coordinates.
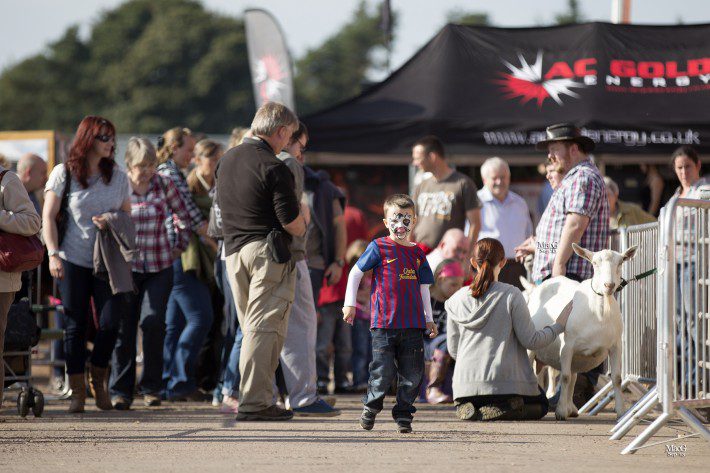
(32, 171)
(453, 245)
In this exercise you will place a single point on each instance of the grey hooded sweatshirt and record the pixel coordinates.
(488, 338)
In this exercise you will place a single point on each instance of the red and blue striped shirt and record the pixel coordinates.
(398, 272)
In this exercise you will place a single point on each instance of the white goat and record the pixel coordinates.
(593, 330)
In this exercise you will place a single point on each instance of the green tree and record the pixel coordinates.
(338, 68)
(148, 65)
(462, 17)
(571, 16)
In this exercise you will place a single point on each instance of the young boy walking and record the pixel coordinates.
(401, 313)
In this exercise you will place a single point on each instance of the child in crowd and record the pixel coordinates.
(362, 344)
(448, 278)
(401, 313)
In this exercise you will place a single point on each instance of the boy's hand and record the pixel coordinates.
(433, 331)
(348, 314)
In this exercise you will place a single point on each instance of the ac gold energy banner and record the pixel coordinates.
(632, 89)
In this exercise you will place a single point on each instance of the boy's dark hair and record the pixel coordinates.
(401, 201)
(431, 144)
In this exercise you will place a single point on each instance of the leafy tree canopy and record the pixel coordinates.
(571, 16)
(149, 65)
(462, 17)
(338, 68)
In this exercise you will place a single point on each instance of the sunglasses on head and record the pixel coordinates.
(104, 138)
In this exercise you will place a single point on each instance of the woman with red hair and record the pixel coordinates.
(488, 331)
(95, 186)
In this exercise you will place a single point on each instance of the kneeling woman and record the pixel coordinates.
(488, 331)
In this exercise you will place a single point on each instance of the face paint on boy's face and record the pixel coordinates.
(400, 225)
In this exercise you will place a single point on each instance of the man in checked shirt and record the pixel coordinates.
(578, 212)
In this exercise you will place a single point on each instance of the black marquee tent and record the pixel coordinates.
(635, 90)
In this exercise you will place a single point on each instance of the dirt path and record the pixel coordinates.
(194, 438)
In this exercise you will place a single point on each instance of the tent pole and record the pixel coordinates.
(621, 11)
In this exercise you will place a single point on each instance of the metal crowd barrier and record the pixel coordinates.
(638, 311)
(683, 298)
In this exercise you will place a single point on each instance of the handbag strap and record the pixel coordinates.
(65, 192)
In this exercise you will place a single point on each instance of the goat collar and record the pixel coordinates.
(591, 284)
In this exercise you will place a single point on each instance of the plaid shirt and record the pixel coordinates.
(170, 170)
(582, 192)
(150, 213)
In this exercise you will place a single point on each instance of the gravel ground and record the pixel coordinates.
(195, 438)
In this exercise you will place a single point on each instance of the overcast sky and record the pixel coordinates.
(26, 26)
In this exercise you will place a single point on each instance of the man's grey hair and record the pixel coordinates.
(491, 164)
(270, 117)
(611, 185)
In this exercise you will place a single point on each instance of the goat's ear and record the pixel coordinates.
(582, 252)
(628, 254)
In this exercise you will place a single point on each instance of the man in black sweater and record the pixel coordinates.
(256, 195)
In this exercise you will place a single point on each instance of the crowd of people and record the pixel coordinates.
(248, 267)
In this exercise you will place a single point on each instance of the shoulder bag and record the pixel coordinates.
(18, 252)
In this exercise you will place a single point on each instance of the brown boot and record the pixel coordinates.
(78, 393)
(437, 374)
(98, 381)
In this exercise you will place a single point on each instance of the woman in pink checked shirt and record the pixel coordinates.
(153, 198)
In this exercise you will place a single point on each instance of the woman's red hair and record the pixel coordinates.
(487, 254)
(89, 128)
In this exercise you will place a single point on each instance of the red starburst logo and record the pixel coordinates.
(271, 78)
(526, 82)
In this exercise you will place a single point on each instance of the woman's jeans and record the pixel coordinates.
(362, 350)
(188, 320)
(396, 353)
(76, 288)
(147, 309)
(229, 373)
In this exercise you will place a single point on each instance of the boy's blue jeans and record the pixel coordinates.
(396, 353)
(362, 350)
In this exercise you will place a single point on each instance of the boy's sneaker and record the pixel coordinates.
(367, 419)
(319, 408)
(404, 426)
(271, 413)
(467, 411)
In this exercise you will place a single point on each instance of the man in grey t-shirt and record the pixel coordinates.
(446, 200)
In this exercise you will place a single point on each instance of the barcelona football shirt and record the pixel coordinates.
(398, 272)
